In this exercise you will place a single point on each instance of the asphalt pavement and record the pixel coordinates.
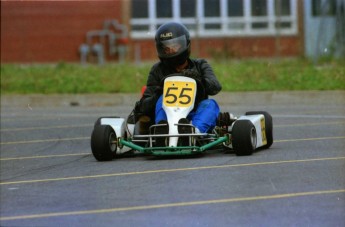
(50, 178)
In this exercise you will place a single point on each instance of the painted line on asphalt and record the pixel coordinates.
(44, 140)
(25, 118)
(310, 116)
(309, 139)
(170, 205)
(310, 124)
(42, 128)
(44, 156)
(171, 170)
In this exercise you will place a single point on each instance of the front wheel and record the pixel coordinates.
(103, 143)
(244, 137)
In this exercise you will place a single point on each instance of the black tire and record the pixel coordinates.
(268, 126)
(103, 143)
(243, 137)
(98, 121)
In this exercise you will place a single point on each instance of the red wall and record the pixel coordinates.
(240, 47)
(251, 47)
(50, 31)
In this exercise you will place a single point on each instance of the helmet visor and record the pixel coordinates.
(172, 47)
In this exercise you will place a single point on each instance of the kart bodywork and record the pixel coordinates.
(243, 135)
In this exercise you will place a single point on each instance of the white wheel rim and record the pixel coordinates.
(112, 142)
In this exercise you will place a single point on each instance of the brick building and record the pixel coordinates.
(53, 31)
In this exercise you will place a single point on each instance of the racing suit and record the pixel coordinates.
(205, 112)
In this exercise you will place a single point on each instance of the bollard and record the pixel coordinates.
(84, 50)
(99, 51)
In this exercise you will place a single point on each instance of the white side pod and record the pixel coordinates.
(118, 124)
(259, 124)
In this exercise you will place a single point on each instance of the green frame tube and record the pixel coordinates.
(185, 150)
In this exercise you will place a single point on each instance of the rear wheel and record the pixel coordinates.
(244, 137)
(268, 126)
(103, 143)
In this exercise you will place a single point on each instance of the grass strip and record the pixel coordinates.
(234, 75)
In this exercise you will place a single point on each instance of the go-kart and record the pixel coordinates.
(112, 136)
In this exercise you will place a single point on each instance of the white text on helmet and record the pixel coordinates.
(167, 35)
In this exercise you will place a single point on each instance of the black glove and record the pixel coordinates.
(192, 73)
(158, 91)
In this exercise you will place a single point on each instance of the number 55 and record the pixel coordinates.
(173, 92)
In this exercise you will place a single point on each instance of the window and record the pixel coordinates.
(235, 8)
(282, 8)
(282, 11)
(211, 10)
(216, 17)
(235, 13)
(164, 8)
(324, 7)
(187, 11)
(141, 11)
(188, 8)
(259, 9)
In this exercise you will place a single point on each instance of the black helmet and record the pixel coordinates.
(173, 43)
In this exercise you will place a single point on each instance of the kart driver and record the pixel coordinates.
(173, 46)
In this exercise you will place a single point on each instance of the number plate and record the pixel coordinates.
(178, 93)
